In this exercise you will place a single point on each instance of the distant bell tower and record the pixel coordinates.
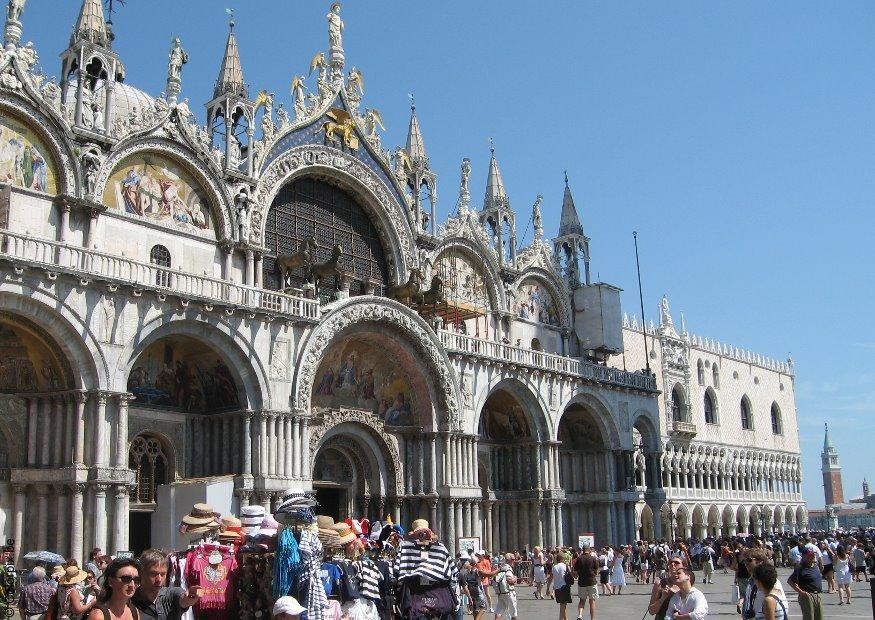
(831, 470)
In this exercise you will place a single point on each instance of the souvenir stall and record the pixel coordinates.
(352, 570)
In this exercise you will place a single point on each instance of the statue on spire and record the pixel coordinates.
(464, 193)
(335, 42)
(537, 222)
(176, 59)
(12, 31)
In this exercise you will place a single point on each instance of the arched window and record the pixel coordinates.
(710, 409)
(160, 256)
(146, 457)
(700, 367)
(677, 404)
(746, 414)
(777, 426)
(536, 345)
(716, 374)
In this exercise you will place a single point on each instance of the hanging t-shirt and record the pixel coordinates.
(218, 599)
(330, 576)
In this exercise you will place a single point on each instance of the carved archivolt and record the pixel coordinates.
(385, 313)
(392, 224)
(372, 425)
(182, 156)
(45, 127)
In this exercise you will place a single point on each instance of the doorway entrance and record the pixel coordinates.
(334, 479)
(140, 532)
(333, 500)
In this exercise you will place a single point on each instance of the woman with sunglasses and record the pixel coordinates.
(120, 581)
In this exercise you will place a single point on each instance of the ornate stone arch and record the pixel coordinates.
(183, 156)
(643, 420)
(382, 445)
(527, 394)
(351, 174)
(46, 126)
(253, 384)
(73, 338)
(477, 252)
(554, 286)
(384, 313)
(604, 419)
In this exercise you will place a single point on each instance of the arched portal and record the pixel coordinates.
(646, 529)
(713, 521)
(699, 522)
(151, 458)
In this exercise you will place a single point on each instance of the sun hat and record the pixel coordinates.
(287, 605)
(419, 524)
(73, 574)
(57, 572)
(232, 523)
(202, 529)
(252, 510)
(347, 535)
(324, 521)
(299, 498)
(339, 527)
(230, 536)
(201, 514)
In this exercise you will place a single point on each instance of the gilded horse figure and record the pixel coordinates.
(328, 269)
(409, 290)
(434, 295)
(285, 263)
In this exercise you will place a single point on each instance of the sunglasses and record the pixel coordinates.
(126, 579)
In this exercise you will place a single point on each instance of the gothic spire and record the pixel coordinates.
(90, 26)
(230, 80)
(569, 223)
(496, 197)
(827, 440)
(415, 143)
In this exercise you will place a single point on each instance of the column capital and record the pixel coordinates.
(101, 488)
(78, 488)
(19, 489)
(243, 494)
(122, 491)
(79, 396)
(102, 397)
(41, 489)
(125, 397)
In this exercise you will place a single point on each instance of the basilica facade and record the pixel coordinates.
(225, 311)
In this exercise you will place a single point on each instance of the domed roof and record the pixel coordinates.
(125, 98)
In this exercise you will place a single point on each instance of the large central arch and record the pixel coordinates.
(395, 321)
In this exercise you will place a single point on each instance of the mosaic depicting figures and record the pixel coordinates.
(26, 364)
(359, 375)
(151, 186)
(24, 158)
(578, 431)
(535, 303)
(464, 282)
(184, 374)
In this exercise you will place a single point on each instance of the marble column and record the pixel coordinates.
(121, 443)
(99, 523)
(100, 432)
(420, 465)
(534, 518)
(460, 524)
(259, 273)
(538, 460)
(42, 519)
(120, 519)
(271, 444)
(32, 414)
(496, 516)
(45, 432)
(288, 452)
(261, 454)
(305, 449)
(62, 532)
(69, 428)
(432, 469)
(20, 492)
(487, 526)
(433, 513)
(515, 526)
(250, 264)
(77, 529)
(445, 460)
(475, 517)
(57, 428)
(451, 527)
(296, 448)
(246, 440)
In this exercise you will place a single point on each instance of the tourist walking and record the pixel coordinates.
(563, 579)
(484, 568)
(859, 555)
(505, 587)
(604, 571)
(586, 567)
(688, 603)
(842, 566)
(539, 575)
(120, 582)
(618, 571)
(826, 566)
(34, 599)
(808, 583)
(706, 561)
(774, 602)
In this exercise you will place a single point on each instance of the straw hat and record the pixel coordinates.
(201, 514)
(328, 538)
(231, 523)
(202, 529)
(346, 535)
(230, 536)
(339, 527)
(324, 521)
(419, 524)
(73, 574)
(57, 572)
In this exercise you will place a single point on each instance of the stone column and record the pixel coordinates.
(250, 267)
(621, 523)
(487, 526)
(120, 529)
(497, 515)
(451, 527)
(433, 513)
(258, 270)
(475, 464)
(460, 525)
(77, 529)
(100, 433)
(288, 453)
(432, 469)
(475, 518)
(99, 524)
(296, 448)
(62, 531)
(534, 519)
(20, 492)
(64, 225)
(42, 517)
(57, 428)
(261, 455)
(32, 414)
(466, 518)
(45, 432)
(305, 449)
(537, 469)
(69, 428)
(228, 262)
(515, 526)
(121, 444)
(420, 454)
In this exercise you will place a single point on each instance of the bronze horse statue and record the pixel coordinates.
(329, 268)
(285, 263)
(434, 295)
(407, 291)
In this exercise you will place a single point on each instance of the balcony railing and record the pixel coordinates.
(460, 343)
(683, 428)
(86, 263)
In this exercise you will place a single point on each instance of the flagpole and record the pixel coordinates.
(641, 300)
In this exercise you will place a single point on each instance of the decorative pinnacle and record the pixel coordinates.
(491, 145)
(230, 13)
(566, 178)
(412, 102)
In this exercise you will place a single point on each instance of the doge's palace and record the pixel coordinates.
(224, 312)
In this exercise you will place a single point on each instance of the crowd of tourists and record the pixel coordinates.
(823, 565)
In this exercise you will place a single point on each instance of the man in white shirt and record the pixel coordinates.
(795, 555)
(688, 603)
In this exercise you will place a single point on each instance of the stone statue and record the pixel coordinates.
(466, 173)
(298, 97)
(241, 208)
(283, 117)
(372, 121)
(664, 315)
(27, 56)
(536, 217)
(91, 162)
(52, 94)
(96, 114)
(15, 9)
(335, 27)
(178, 57)
(183, 111)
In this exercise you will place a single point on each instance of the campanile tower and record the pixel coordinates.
(831, 470)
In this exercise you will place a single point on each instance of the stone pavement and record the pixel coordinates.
(632, 603)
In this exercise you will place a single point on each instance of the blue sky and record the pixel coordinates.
(736, 137)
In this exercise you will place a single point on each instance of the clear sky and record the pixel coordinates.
(736, 137)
